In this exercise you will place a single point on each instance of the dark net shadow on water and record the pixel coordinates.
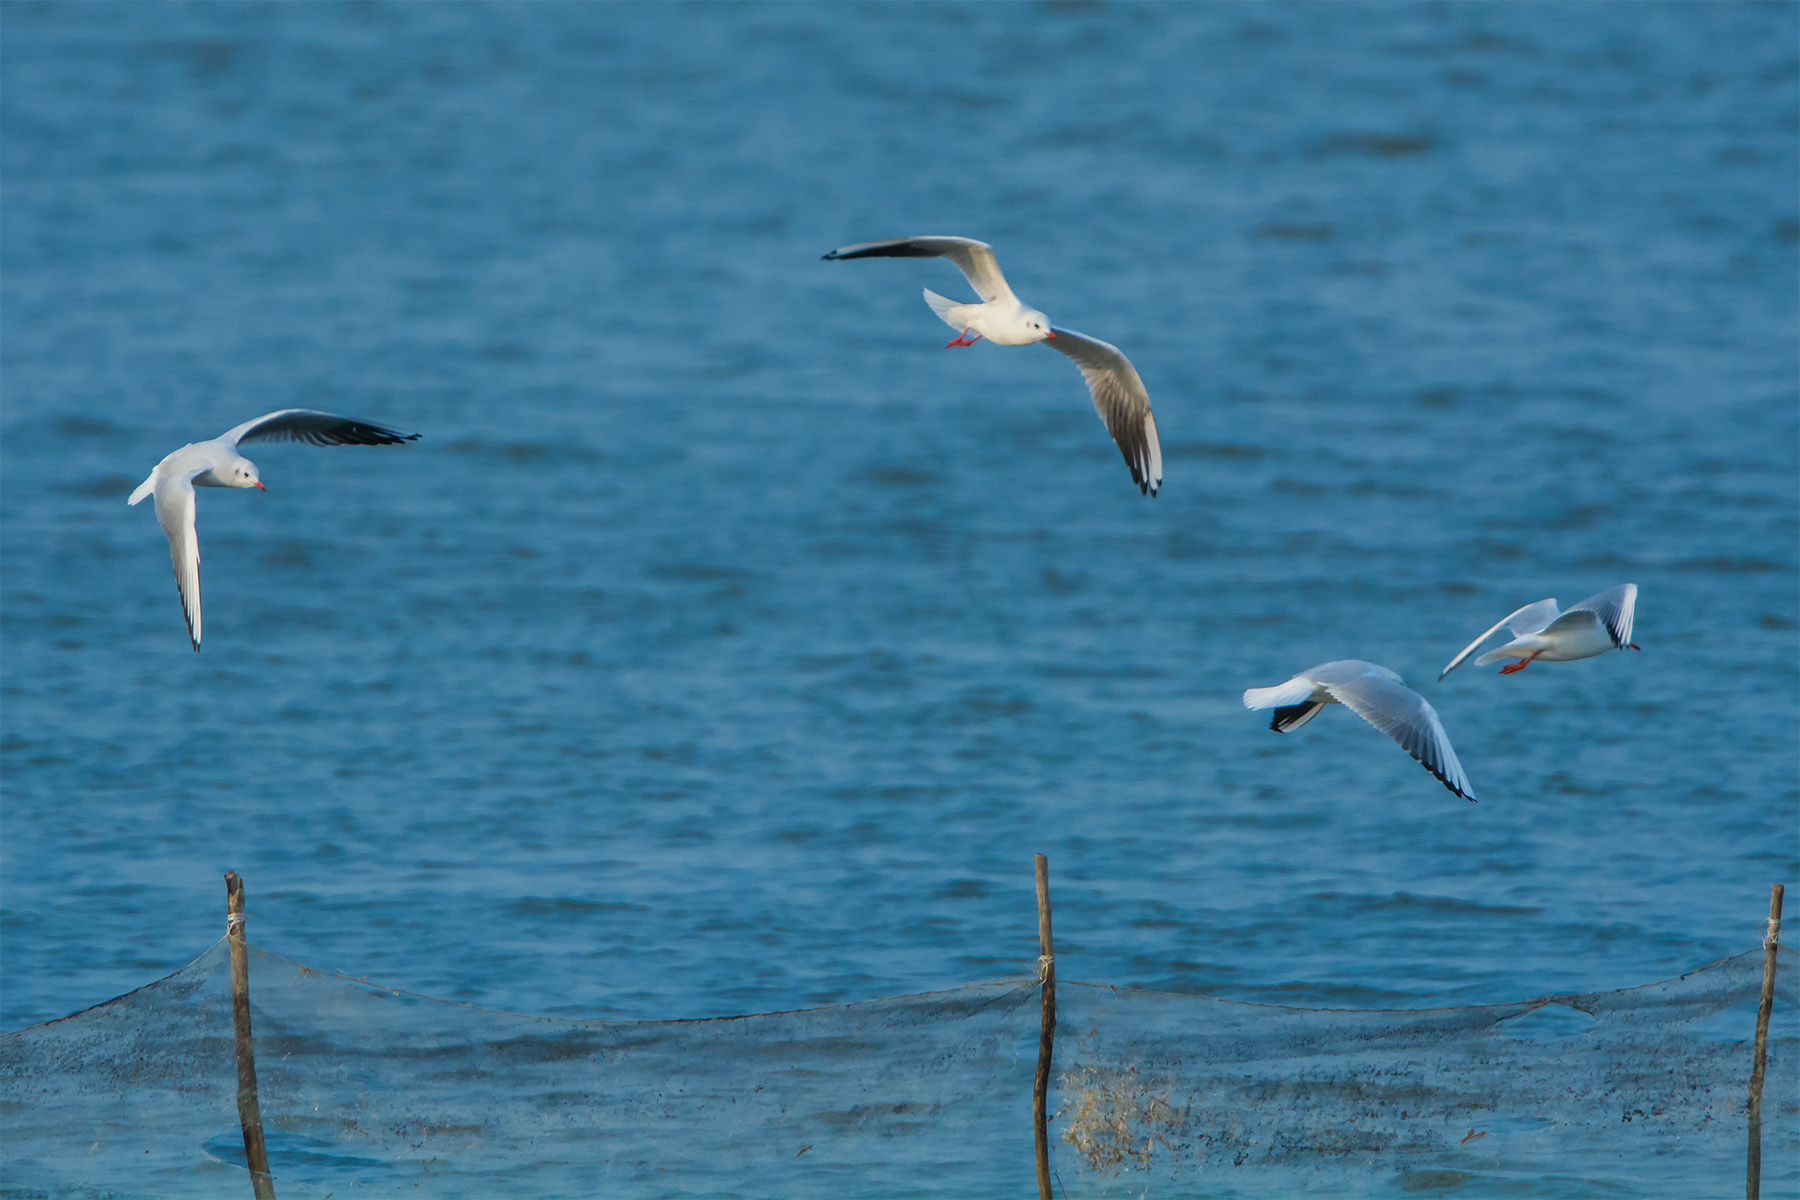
(371, 1090)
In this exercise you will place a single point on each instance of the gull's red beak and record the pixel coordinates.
(1050, 334)
(260, 487)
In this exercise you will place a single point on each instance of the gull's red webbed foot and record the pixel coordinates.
(967, 337)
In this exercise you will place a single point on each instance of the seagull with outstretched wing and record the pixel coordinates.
(1378, 696)
(1596, 625)
(1119, 395)
(217, 463)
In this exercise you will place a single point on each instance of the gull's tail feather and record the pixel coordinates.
(1294, 691)
(941, 305)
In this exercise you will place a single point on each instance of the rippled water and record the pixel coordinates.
(726, 645)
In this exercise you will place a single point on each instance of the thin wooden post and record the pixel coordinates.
(1771, 943)
(256, 1154)
(1040, 1085)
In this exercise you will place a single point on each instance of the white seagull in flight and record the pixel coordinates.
(1596, 625)
(1119, 395)
(1378, 696)
(218, 464)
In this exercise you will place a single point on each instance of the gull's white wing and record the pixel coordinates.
(1615, 608)
(1121, 401)
(1533, 618)
(315, 428)
(1408, 718)
(175, 512)
(975, 258)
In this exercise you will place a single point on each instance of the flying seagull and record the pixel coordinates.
(1001, 317)
(1596, 625)
(218, 464)
(1378, 696)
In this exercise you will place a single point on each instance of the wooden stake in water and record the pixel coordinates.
(1771, 943)
(1040, 1085)
(256, 1154)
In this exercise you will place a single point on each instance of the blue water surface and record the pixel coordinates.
(726, 645)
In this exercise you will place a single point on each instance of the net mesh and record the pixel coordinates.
(1641, 1091)
(368, 1090)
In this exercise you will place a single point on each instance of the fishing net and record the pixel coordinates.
(1639, 1092)
(372, 1091)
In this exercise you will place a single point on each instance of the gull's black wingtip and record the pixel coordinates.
(1450, 787)
(381, 435)
(1292, 716)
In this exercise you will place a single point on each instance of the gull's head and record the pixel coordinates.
(242, 474)
(1038, 325)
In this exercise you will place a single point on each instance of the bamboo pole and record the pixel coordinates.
(1771, 943)
(1040, 1085)
(256, 1154)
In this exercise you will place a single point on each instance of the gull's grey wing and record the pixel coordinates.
(1533, 618)
(1121, 400)
(175, 512)
(1615, 608)
(976, 259)
(1408, 718)
(314, 428)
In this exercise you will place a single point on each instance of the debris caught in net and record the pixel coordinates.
(1641, 1091)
